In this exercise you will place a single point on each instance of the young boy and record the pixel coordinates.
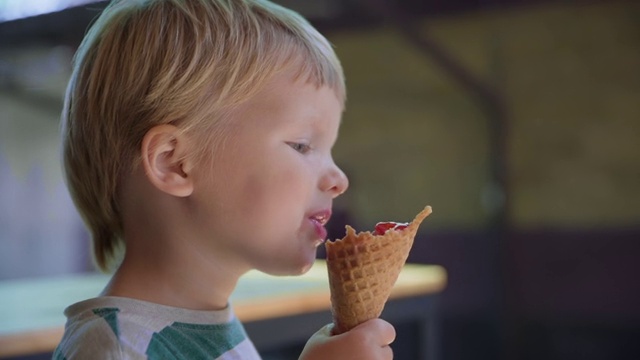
(197, 146)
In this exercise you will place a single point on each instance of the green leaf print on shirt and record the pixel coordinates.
(195, 341)
(110, 315)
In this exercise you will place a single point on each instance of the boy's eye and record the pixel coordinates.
(300, 147)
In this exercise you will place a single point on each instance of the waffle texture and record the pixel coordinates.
(363, 268)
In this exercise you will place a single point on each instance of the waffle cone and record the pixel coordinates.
(363, 268)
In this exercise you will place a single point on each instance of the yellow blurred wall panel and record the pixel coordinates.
(571, 78)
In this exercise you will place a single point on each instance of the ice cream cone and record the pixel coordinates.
(363, 268)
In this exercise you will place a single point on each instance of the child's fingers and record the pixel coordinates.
(389, 332)
(387, 352)
(378, 331)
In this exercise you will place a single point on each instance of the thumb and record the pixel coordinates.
(325, 330)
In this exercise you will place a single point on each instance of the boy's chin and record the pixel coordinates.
(292, 268)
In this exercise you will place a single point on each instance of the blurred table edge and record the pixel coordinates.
(415, 280)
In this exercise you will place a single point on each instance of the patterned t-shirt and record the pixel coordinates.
(121, 328)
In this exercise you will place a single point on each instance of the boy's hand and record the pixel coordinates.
(369, 340)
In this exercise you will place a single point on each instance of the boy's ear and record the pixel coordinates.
(166, 160)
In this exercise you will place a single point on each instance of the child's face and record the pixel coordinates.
(268, 190)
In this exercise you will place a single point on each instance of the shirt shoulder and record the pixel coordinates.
(91, 334)
(119, 328)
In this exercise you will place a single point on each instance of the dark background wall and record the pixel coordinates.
(555, 275)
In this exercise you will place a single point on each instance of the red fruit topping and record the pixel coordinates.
(382, 227)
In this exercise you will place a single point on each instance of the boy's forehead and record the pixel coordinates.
(290, 100)
(288, 88)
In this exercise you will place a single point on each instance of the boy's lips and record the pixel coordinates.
(319, 220)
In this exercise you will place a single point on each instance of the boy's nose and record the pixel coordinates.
(335, 181)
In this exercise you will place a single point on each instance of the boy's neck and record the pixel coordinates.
(161, 263)
(172, 283)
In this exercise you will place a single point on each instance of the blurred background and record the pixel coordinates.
(517, 120)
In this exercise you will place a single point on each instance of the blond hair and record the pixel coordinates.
(184, 62)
